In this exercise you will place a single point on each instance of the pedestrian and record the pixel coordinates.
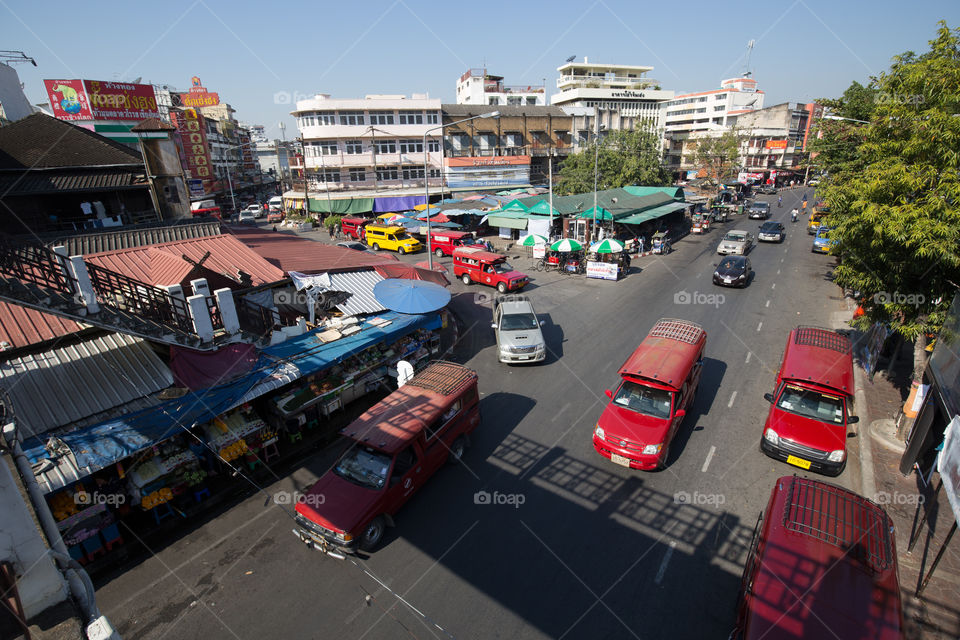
(640, 245)
(780, 201)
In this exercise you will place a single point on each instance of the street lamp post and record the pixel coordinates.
(596, 159)
(426, 173)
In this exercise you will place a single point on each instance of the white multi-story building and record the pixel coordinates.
(622, 96)
(371, 143)
(258, 133)
(691, 116)
(478, 87)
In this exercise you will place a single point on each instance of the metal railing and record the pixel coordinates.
(256, 319)
(152, 303)
(36, 264)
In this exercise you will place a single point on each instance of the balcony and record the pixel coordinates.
(607, 82)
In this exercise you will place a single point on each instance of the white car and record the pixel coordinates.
(736, 242)
(517, 329)
(247, 217)
(256, 210)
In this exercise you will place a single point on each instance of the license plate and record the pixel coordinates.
(523, 357)
(727, 280)
(620, 460)
(798, 462)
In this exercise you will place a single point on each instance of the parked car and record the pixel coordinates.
(822, 243)
(736, 242)
(767, 189)
(813, 182)
(256, 210)
(353, 244)
(519, 338)
(247, 217)
(812, 402)
(759, 210)
(395, 447)
(822, 563)
(393, 238)
(733, 271)
(444, 242)
(353, 227)
(658, 383)
(471, 264)
(771, 231)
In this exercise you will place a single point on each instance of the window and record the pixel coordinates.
(720, 107)
(405, 460)
(514, 140)
(329, 175)
(433, 146)
(381, 117)
(324, 119)
(411, 146)
(387, 146)
(531, 100)
(434, 173)
(327, 147)
(387, 174)
(358, 175)
(412, 173)
(433, 118)
(354, 147)
(351, 117)
(514, 100)
(721, 96)
(493, 100)
(410, 117)
(436, 428)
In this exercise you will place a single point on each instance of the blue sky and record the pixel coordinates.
(256, 54)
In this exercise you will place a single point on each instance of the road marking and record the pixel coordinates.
(706, 463)
(747, 361)
(759, 325)
(559, 413)
(781, 259)
(663, 563)
(768, 304)
(733, 396)
(773, 286)
(778, 271)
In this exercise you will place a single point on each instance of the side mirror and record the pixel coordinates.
(609, 393)
(853, 419)
(543, 322)
(851, 435)
(768, 397)
(493, 326)
(680, 413)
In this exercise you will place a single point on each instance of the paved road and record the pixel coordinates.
(585, 549)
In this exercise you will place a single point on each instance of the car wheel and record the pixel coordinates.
(438, 253)
(502, 288)
(401, 250)
(466, 278)
(373, 534)
(375, 246)
(456, 450)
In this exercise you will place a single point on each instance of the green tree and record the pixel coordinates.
(624, 158)
(834, 146)
(719, 155)
(897, 219)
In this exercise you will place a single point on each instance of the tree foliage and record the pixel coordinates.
(897, 217)
(623, 158)
(719, 154)
(834, 147)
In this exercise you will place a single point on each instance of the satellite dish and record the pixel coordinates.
(571, 58)
(404, 373)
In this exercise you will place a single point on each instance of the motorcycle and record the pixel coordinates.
(793, 216)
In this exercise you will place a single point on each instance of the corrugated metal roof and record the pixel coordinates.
(56, 182)
(59, 387)
(21, 327)
(360, 284)
(138, 236)
(227, 255)
(293, 253)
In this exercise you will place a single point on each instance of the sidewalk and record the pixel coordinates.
(936, 614)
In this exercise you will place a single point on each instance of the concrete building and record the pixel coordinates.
(690, 116)
(512, 150)
(477, 87)
(369, 144)
(775, 138)
(622, 96)
(13, 103)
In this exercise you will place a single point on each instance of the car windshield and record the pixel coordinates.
(770, 227)
(518, 322)
(811, 404)
(365, 467)
(761, 205)
(400, 235)
(823, 233)
(734, 237)
(502, 267)
(645, 400)
(727, 265)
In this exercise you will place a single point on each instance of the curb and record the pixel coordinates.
(868, 484)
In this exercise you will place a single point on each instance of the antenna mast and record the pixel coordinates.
(746, 70)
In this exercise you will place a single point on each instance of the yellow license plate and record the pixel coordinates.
(798, 462)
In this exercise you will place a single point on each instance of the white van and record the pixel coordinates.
(276, 203)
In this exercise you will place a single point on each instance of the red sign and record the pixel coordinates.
(199, 96)
(487, 161)
(121, 100)
(196, 151)
(776, 144)
(68, 100)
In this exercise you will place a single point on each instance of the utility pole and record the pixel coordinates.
(306, 195)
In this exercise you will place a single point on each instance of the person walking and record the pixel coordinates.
(780, 201)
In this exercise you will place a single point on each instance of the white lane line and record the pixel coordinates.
(747, 361)
(759, 325)
(559, 413)
(781, 259)
(733, 396)
(778, 271)
(773, 286)
(768, 304)
(706, 463)
(663, 563)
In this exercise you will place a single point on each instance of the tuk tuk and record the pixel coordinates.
(660, 243)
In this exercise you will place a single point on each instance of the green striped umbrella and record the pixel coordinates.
(607, 245)
(532, 240)
(565, 245)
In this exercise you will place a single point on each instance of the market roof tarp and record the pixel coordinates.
(341, 205)
(516, 205)
(105, 443)
(508, 219)
(601, 214)
(619, 202)
(674, 192)
(652, 214)
(543, 208)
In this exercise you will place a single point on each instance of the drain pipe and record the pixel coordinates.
(81, 587)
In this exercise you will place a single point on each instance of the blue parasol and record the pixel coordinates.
(410, 296)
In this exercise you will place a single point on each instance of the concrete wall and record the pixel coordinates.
(15, 103)
(40, 583)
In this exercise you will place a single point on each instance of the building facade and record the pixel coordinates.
(622, 96)
(775, 138)
(512, 150)
(477, 87)
(373, 143)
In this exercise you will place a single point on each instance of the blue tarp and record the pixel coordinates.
(103, 444)
(397, 203)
